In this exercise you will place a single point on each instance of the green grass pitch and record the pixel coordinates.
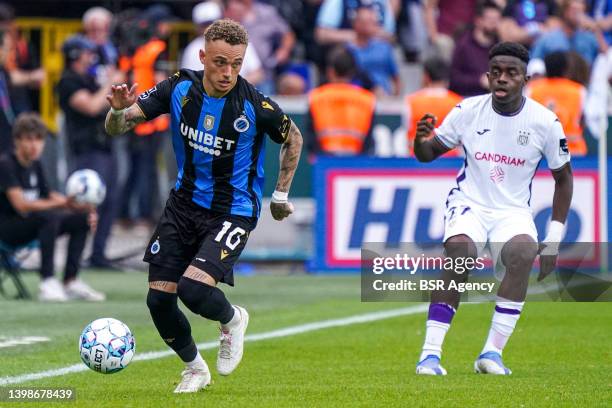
(560, 352)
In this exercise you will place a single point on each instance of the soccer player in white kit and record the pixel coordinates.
(504, 136)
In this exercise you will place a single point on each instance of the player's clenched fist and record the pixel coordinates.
(425, 126)
(281, 210)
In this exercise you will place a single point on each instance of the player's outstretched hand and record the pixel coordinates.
(547, 262)
(281, 210)
(121, 96)
(426, 126)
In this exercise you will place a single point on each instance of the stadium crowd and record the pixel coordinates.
(344, 54)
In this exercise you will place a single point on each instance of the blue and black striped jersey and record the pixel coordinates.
(219, 143)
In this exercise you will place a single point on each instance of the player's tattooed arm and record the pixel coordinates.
(289, 157)
(427, 147)
(124, 114)
(290, 152)
(121, 122)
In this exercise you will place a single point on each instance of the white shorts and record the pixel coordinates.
(482, 225)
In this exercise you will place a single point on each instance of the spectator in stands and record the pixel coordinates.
(525, 20)
(149, 66)
(572, 35)
(30, 211)
(84, 104)
(21, 64)
(374, 54)
(268, 33)
(411, 29)
(601, 12)
(470, 60)
(564, 97)
(335, 20)
(291, 84)
(434, 98)
(96, 24)
(446, 20)
(7, 113)
(341, 114)
(203, 15)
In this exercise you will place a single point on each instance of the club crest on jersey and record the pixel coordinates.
(523, 138)
(209, 122)
(147, 93)
(241, 124)
(155, 247)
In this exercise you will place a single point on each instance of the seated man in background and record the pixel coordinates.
(30, 211)
(434, 98)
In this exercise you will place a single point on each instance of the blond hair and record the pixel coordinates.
(227, 30)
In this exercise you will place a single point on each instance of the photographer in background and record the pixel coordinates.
(84, 104)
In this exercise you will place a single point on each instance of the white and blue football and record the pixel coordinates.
(107, 345)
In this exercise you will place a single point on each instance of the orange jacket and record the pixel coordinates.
(566, 98)
(437, 101)
(342, 116)
(142, 65)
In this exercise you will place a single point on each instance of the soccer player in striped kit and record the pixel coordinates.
(219, 124)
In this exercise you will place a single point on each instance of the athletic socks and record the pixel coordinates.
(197, 363)
(233, 322)
(438, 323)
(504, 320)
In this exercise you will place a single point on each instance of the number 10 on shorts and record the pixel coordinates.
(233, 238)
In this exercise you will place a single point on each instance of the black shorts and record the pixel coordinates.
(188, 234)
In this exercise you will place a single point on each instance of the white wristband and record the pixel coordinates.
(553, 238)
(555, 232)
(117, 111)
(279, 197)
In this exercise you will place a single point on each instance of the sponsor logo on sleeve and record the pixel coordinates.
(563, 149)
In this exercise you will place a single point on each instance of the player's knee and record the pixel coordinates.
(521, 256)
(460, 246)
(205, 300)
(160, 302)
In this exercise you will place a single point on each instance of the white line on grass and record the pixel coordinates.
(287, 331)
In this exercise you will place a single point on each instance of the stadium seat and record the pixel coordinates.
(10, 268)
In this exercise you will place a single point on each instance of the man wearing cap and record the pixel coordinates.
(84, 103)
(203, 15)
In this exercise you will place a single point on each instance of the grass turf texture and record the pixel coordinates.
(560, 352)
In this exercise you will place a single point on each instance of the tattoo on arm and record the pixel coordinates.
(119, 124)
(289, 158)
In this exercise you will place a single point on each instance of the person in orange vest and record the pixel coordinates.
(341, 113)
(148, 66)
(434, 98)
(564, 97)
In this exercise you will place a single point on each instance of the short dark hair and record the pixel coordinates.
(512, 49)
(342, 61)
(29, 122)
(227, 30)
(437, 68)
(556, 64)
(483, 6)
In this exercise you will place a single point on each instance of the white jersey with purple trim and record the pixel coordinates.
(502, 152)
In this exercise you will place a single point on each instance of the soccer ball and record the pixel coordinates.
(106, 345)
(86, 186)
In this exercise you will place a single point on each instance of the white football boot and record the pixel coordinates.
(430, 366)
(193, 380)
(231, 344)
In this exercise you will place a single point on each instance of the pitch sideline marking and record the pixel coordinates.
(6, 342)
(284, 332)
